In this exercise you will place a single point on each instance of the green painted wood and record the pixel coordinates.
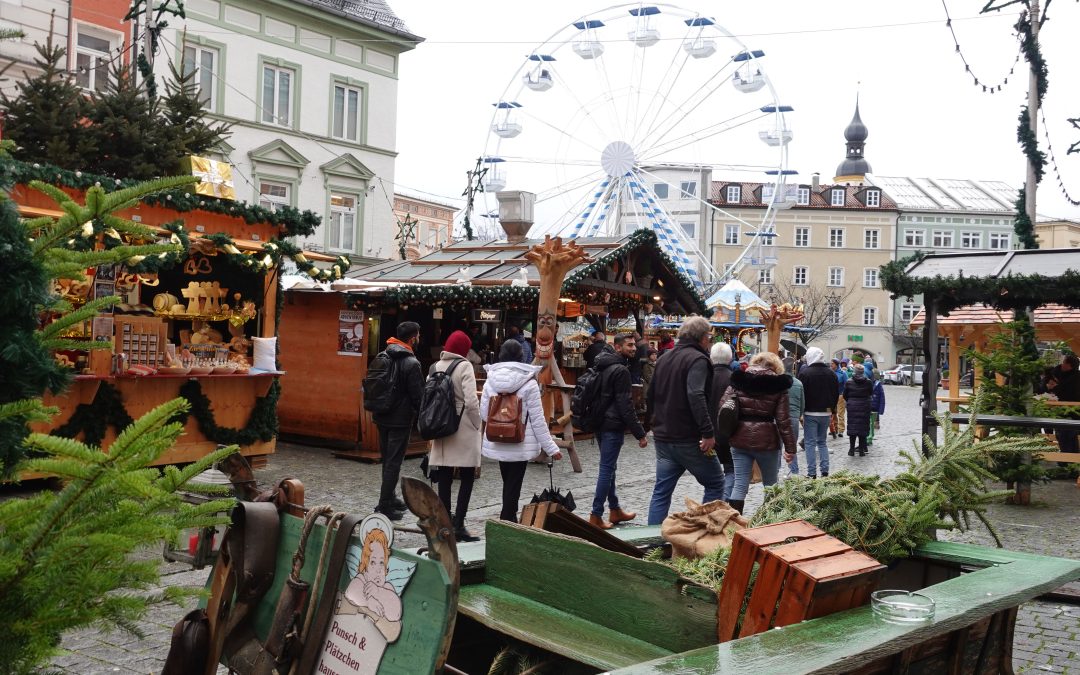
(641, 599)
(978, 556)
(542, 626)
(426, 600)
(846, 641)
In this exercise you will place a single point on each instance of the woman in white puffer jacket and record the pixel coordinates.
(510, 376)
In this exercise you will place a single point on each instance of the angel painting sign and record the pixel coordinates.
(368, 610)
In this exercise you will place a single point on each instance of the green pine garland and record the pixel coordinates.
(294, 222)
(1029, 143)
(1022, 225)
(107, 409)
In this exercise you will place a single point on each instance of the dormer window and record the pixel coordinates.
(734, 194)
(873, 198)
(837, 197)
(802, 196)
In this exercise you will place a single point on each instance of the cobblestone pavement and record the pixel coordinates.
(1047, 634)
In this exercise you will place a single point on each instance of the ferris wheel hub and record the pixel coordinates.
(618, 158)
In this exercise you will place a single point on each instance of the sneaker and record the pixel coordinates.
(824, 474)
(811, 476)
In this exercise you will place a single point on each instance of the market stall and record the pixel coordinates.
(199, 323)
(482, 287)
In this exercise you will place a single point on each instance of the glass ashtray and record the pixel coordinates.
(902, 606)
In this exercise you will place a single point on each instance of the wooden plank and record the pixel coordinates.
(551, 517)
(645, 600)
(1020, 421)
(554, 630)
(849, 641)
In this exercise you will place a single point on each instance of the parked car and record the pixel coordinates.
(903, 375)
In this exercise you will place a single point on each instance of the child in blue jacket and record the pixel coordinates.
(877, 409)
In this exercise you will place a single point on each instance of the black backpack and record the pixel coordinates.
(586, 405)
(439, 416)
(380, 384)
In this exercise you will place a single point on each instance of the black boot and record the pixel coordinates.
(737, 504)
(851, 446)
(460, 533)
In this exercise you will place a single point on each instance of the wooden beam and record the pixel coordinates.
(930, 376)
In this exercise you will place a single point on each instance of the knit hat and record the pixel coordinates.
(459, 343)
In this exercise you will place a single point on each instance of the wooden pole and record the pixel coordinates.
(1031, 186)
(930, 376)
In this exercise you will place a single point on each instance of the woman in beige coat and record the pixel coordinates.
(461, 450)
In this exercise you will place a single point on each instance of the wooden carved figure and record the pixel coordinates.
(775, 318)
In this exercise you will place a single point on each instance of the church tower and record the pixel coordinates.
(853, 170)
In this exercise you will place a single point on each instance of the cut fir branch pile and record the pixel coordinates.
(65, 554)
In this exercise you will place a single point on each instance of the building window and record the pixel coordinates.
(943, 238)
(871, 238)
(93, 51)
(870, 277)
(837, 197)
(908, 312)
(914, 237)
(731, 234)
(799, 278)
(347, 102)
(342, 222)
(836, 276)
(274, 196)
(728, 266)
(869, 316)
(802, 196)
(660, 190)
(832, 314)
(764, 276)
(971, 240)
(873, 198)
(1000, 241)
(277, 95)
(688, 189)
(734, 194)
(203, 62)
(802, 237)
(836, 237)
(690, 229)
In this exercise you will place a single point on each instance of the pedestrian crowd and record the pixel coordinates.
(726, 418)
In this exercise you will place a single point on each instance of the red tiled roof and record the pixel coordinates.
(981, 314)
(750, 196)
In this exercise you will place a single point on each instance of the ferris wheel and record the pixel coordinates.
(618, 121)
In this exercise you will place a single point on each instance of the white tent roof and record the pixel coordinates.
(725, 297)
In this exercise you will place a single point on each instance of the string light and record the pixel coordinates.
(986, 88)
(1053, 160)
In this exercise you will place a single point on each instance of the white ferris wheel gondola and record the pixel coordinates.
(506, 125)
(644, 34)
(700, 47)
(778, 133)
(780, 194)
(588, 46)
(748, 78)
(627, 142)
(539, 78)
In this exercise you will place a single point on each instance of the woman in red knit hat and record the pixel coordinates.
(462, 448)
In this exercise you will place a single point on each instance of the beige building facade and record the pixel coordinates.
(1058, 234)
(434, 223)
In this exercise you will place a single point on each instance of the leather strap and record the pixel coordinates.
(313, 641)
(254, 552)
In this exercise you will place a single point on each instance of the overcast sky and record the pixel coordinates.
(924, 115)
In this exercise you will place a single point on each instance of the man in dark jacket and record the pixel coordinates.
(821, 389)
(599, 345)
(513, 332)
(1064, 383)
(682, 426)
(637, 361)
(619, 416)
(395, 425)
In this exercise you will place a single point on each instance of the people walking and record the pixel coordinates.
(797, 402)
(513, 332)
(840, 369)
(395, 424)
(511, 376)
(1064, 383)
(764, 422)
(682, 426)
(821, 390)
(720, 355)
(637, 361)
(877, 407)
(599, 345)
(857, 393)
(460, 450)
(618, 417)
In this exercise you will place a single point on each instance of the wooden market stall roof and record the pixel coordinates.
(502, 264)
(978, 315)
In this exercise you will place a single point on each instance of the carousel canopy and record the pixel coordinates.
(725, 297)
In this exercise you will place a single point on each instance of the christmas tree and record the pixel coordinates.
(47, 117)
(189, 130)
(126, 126)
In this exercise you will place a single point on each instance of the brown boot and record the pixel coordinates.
(598, 521)
(620, 516)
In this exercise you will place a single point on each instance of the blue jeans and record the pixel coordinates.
(610, 446)
(672, 461)
(794, 463)
(816, 437)
(768, 461)
(729, 484)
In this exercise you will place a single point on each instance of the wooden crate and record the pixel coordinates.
(552, 517)
(803, 573)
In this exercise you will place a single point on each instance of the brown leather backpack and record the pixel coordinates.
(505, 423)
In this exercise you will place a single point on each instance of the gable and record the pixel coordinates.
(278, 152)
(347, 166)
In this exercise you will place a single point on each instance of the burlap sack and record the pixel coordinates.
(702, 528)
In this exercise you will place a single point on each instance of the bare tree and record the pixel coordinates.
(907, 338)
(825, 307)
